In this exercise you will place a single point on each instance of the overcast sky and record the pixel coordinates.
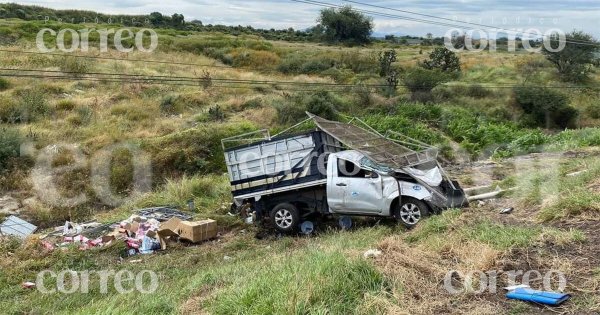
(541, 14)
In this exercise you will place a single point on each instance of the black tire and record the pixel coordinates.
(411, 212)
(285, 217)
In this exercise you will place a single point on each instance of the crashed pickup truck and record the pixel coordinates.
(335, 168)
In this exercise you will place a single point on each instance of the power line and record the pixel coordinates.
(198, 80)
(447, 19)
(162, 81)
(400, 17)
(155, 82)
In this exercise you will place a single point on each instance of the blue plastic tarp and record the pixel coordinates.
(542, 297)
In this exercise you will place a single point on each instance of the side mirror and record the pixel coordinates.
(374, 175)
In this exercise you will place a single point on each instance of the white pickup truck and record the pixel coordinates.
(289, 179)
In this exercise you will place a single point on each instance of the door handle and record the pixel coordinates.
(341, 184)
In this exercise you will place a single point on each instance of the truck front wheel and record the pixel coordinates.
(411, 211)
(285, 217)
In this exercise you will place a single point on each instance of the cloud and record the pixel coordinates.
(541, 14)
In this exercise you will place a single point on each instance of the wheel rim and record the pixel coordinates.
(410, 213)
(284, 218)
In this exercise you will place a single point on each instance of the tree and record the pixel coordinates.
(574, 62)
(177, 20)
(442, 59)
(386, 59)
(156, 18)
(346, 25)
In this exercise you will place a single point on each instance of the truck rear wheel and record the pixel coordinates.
(411, 211)
(285, 217)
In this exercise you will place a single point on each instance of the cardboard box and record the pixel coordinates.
(169, 228)
(197, 231)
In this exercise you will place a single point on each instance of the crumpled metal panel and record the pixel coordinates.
(375, 146)
(17, 227)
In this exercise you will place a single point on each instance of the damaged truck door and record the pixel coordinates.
(337, 168)
(351, 189)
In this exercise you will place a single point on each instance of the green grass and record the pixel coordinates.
(293, 275)
(438, 224)
(302, 283)
(501, 237)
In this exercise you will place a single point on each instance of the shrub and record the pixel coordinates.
(4, 84)
(254, 59)
(444, 60)
(215, 113)
(322, 103)
(168, 105)
(290, 112)
(594, 110)
(31, 106)
(10, 142)
(252, 103)
(193, 151)
(66, 105)
(423, 80)
(546, 107)
(478, 91)
(131, 112)
(76, 66)
(420, 82)
(121, 172)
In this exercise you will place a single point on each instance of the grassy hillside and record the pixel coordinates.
(180, 128)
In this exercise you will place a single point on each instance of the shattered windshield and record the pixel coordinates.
(366, 162)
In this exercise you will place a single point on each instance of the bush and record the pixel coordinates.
(254, 59)
(594, 110)
(31, 106)
(76, 66)
(66, 105)
(323, 103)
(83, 116)
(478, 91)
(4, 84)
(168, 105)
(10, 145)
(193, 151)
(546, 107)
(420, 82)
(444, 60)
(423, 80)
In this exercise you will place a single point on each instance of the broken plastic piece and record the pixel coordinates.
(307, 227)
(372, 253)
(345, 223)
(507, 210)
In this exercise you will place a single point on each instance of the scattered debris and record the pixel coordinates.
(507, 210)
(541, 297)
(475, 189)
(577, 173)
(163, 214)
(490, 195)
(514, 287)
(372, 253)
(17, 227)
(345, 222)
(28, 285)
(227, 258)
(307, 227)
